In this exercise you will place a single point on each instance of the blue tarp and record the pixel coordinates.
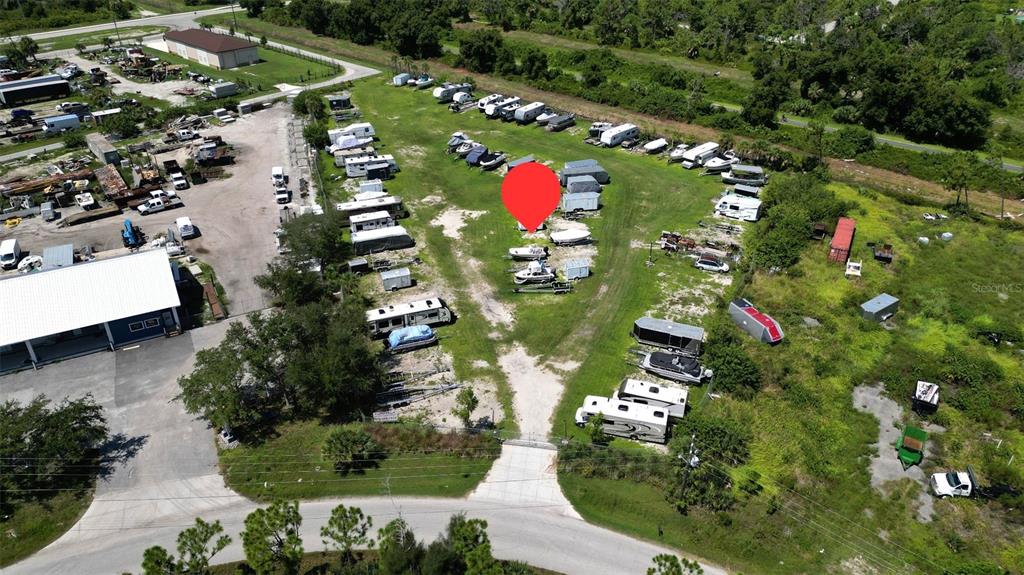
(407, 335)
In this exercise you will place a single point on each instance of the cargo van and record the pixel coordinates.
(185, 228)
(10, 254)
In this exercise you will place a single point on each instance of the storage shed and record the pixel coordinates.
(880, 307)
(577, 268)
(396, 279)
(758, 324)
(842, 240)
(581, 184)
(669, 334)
(583, 202)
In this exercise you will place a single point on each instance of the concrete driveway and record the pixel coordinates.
(236, 215)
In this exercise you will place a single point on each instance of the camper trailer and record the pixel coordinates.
(697, 155)
(613, 137)
(431, 311)
(687, 339)
(739, 207)
(744, 174)
(648, 393)
(446, 92)
(362, 165)
(482, 103)
(370, 221)
(529, 112)
(391, 204)
(625, 419)
(359, 130)
(494, 110)
(381, 240)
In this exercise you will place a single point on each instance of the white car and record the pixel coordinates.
(954, 483)
(710, 263)
(282, 195)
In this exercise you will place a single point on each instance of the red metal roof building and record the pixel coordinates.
(842, 240)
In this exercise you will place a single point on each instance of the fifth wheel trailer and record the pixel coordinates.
(625, 419)
(431, 311)
(529, 112)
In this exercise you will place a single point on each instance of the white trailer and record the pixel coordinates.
(371, 186)
(446, 92)
(431, 311)
(495, 109)
(580, 202)
(529, 112)
(673, 399)
(739, 207)
(390, 204)
(625, 419)
(697, 155)
(359, 130)
(370, 221)
(616, 135)
(358, 166)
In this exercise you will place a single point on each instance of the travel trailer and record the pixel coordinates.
(495, 109)
(697, 155)
(529, 112)
(362, 165)
(482, 103)
(739, 207)
(391, 204)
(446, 92)
(613, 137)
(673, 399)
(625, 419)
(431, 311)
(371, 221)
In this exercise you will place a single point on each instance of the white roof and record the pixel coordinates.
(375, 202)
(613, 408)
(649, 390)
(741, 201)
(401, 309)
(369, 217)
(532, 106)
(63, 299)
(377, 234)
(700, 150)
(610, 133)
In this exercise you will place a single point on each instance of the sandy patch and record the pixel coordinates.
(145, 13)
(536, 390)
(412, 155)
(496, 312)
(480, 364)
(432, 200)
(452, 221)
(565, 366)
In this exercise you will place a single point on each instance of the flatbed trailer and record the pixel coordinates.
(89, 216)
(557, 288)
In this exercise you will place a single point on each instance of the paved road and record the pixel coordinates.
(176, 21)
(37, 150)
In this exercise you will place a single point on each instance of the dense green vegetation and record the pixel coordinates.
(273, 546)
(31, 15)
(49, 458)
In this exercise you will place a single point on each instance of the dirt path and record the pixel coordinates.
(537, 391)
(885, 466)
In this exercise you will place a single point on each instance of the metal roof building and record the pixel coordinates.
(211, 49)
(78, 309)
(30, 89)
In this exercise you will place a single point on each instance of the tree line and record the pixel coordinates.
(272, 544)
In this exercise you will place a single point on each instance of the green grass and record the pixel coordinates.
(35, 525)
(172, 6)
(274, 68)
(96, 38)
(290, 466)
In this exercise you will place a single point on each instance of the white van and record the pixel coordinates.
(10, 254)
(185, 228)
(277, 176)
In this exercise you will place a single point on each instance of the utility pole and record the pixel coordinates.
(692, 460)
(113, 15)
(233, 20)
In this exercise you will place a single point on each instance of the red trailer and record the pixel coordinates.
(839, 250)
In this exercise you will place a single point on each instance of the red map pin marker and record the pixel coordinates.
(531, 192)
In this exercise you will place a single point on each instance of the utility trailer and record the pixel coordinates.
(557, 288)
(910, 447)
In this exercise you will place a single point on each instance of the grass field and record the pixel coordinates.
(172, 6)
(34, 525)
(274, 68)
(96, 38)
(291, 467)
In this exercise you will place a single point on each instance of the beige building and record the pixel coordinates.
(210, 49)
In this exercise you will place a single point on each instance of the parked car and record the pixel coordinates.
(710, 263)
(954, 483)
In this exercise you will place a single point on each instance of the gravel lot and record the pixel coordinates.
(236, 216)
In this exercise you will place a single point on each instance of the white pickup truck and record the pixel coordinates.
(954, 483)
(155, 205)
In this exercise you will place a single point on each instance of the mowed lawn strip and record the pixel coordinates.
(34, 525)
(291, 466)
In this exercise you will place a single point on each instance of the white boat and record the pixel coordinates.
(528, 253)
(492, 161)
(656, 146)
(30, 264)
(546, 116)
(676, 155)
(598, 128)
(570, 237)
(85, 201)
(536, 272)
(465, 148)
(719, 164)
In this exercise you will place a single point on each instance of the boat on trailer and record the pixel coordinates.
(410, 338)
(570, 237)
(676, 155)
(528, 253)
(536, 272)
(674, 366)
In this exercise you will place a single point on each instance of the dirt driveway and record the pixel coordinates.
(236, 216)
(160, 90)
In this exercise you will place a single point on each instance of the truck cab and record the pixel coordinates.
(179, 181)
(954, 483)
(277, 176)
